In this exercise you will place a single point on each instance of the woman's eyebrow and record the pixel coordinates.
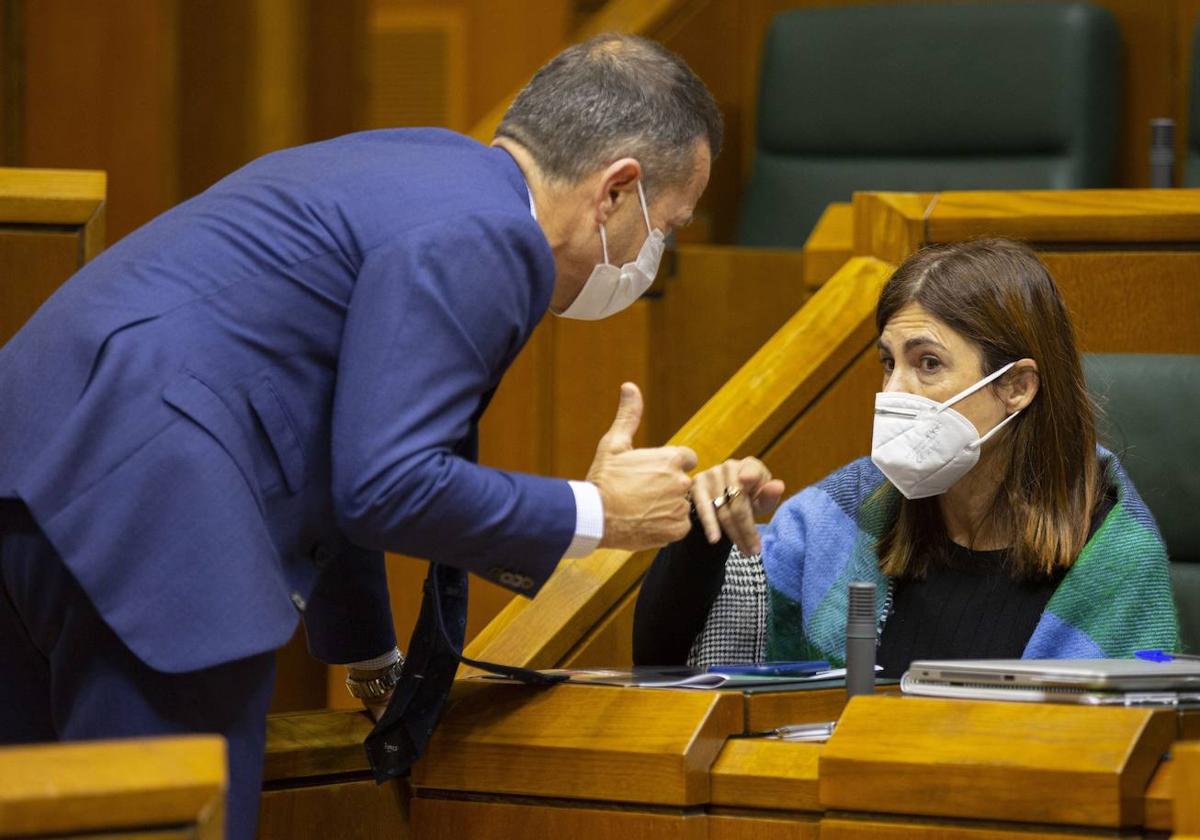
(915, 341)
(922, 340)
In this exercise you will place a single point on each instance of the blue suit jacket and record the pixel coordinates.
(282, 376)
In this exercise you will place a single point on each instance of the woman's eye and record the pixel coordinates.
(888, 364)
(930, 363)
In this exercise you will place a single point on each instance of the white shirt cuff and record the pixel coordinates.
(383, 661)
(589, 519)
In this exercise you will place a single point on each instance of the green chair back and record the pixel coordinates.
(1150, 418)
(1191, 155)
(928, 98)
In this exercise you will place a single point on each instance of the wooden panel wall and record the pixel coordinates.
(169, 96)
(99, 93)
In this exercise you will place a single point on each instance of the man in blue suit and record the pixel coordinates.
(218, 425)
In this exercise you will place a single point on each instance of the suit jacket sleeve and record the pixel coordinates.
(434, 320)
(349, 616)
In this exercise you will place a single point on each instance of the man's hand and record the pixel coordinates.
(759, 496)
(644, 490)
(376, 708)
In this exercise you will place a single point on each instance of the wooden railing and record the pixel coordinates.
(51, 223)
(145, 787)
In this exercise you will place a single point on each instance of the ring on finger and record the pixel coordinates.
(725, 498)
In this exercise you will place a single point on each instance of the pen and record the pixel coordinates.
(1156, 655)
(805, 731)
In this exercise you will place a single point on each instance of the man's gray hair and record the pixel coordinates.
(610, 97)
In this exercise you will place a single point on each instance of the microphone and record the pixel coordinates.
(860, 639)
(1162, 153)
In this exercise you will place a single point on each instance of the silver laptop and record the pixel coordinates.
(1092, 681)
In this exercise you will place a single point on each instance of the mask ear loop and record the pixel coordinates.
(995, 429)
(604, 243)
(645, 207)
(972, 389)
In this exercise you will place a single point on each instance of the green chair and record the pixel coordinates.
(928, 98)
(1150, 408)
(1191, 155)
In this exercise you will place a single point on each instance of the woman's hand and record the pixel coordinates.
(752, 494)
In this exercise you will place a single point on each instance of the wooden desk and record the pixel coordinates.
(51, 223)
(160, 788)
(596, 761)
(317, 783)
(660, 759)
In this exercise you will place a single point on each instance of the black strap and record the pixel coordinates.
(435, 651)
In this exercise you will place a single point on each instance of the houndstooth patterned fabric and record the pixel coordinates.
(736, 628)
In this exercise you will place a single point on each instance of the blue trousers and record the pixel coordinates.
(64, 675)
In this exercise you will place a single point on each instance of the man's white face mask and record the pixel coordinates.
(924, 447)
(611, 288)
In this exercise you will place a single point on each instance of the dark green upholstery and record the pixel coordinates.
(1191, 159)
(1151, 419)
(928, 97)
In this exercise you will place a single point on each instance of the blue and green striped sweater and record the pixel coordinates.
(1114, 600)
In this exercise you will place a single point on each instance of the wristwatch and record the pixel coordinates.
(376, 688)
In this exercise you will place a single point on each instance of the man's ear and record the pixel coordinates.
(1020, 385)
(617, 182)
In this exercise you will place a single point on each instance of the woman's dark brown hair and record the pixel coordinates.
(998, 295)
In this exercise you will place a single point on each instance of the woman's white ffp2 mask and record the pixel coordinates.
(924, 447)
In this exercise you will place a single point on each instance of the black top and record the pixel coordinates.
(676, 595)
(968, 608)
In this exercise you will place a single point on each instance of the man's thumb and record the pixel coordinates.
(629, 417)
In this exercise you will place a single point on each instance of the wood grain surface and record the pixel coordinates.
(483, 819)
(749, 825)
(51, 223)
(1067, 215)
(767, 773)
(353, 810)
(95, 786)
(1160, 799)
(33, 264)
(829, 245)
(1185, 789)
(1131, 301)
(1035, 763)
(304, 745)
(883, 828)
(652, 746)
(50, 196)
(890, 226)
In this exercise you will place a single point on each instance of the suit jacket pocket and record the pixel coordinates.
(271, 413)
(197, 401)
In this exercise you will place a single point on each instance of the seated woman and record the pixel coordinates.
(989, 519)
